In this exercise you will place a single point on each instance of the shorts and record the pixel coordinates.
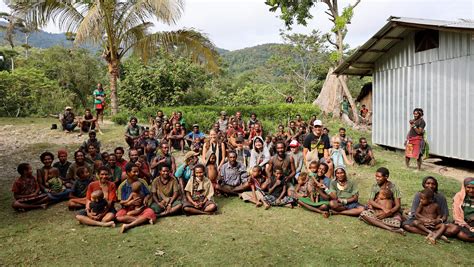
(352, 205)
(394, 221)
(157, 209)
(190, 205)
(83, 212)
(147, 213)
(70, 126)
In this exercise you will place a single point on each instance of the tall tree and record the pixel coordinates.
(299, 62)
(121, 27)
(299, 11)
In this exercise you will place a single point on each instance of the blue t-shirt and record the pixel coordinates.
(184, 172)
(125, 189)
(194, 135)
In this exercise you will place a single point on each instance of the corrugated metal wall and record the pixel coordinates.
(440, 81)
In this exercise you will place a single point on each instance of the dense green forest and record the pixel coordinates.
(263, 74)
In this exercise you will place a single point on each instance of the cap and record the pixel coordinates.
(223, 113)
(68, 107)
(196, 125)
(294, 143)
(190, 154)
(317, 123)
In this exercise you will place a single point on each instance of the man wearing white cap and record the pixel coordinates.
(68, 120)
(295, 152)
(316, 145)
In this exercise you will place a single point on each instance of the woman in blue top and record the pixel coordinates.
(185, 170)
(99, 102)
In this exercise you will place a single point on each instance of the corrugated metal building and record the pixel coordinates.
(421, 63)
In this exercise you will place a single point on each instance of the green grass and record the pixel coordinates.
(240, 235)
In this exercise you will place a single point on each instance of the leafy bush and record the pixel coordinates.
(26, 92)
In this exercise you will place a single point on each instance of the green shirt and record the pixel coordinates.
(349, 190)
(468, 209)
(376, 189)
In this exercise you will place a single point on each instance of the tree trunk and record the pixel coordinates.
(330, 97)
(113, 76)
(343, 82)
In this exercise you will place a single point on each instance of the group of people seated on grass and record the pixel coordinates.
(298, 166)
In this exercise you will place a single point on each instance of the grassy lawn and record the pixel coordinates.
(240, 235)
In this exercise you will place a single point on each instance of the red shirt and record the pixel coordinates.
(111, 194)
(121, 164)
(25, 186)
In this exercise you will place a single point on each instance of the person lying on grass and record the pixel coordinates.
(463, 210)
(378, 215)
(428, 217)
(430, 182)
(26, 191)
(199, 194)
(147, 215)
(258, 183)
(344, 195)
(318, 199)
(77, 197)
(166, 194)
(100, 198)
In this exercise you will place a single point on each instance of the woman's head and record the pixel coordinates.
(258, 143)
(381, 175)
(24, 169)
(469, 186)
(47, 158)
(104, 174)
(199, 171)
(79, 157)
(431, 183)
(341, 174)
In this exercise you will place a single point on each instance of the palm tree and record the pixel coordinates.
(122, 27)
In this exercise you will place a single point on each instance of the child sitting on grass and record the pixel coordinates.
(256, 182)
(385, 200)
(77, 197)
(26, 190)
(199, 192)
(276, 194)
(302, 187)
(55, 187)
(428, 217)
(98, 207)
(136, 194)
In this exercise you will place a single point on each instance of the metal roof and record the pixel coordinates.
(361, 62)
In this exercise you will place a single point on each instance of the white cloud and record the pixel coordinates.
(235, 24)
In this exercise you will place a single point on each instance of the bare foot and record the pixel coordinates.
(445, 239)
(259, 204)
(123, 229)
(326, 214)
(266, 206)
(429, 238)
(44, 206)
(399, 231)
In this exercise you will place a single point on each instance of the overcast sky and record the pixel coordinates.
(235, 24)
